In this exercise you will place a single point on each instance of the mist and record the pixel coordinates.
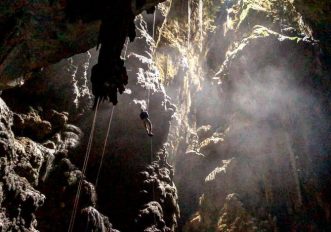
(258, 126)
(238, 96)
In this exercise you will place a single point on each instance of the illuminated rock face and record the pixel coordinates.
(269, 148)
(255, 130)
(251, 145)
(67, 86)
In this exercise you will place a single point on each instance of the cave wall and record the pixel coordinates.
(253, 153)
(316, 15)
(248, 136)
(34, 169)
(36, 34)
(144, 196)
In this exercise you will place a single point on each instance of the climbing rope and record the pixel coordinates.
(104, 146)
(87, 155)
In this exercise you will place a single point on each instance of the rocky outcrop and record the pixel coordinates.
(35, 176)
(123, 162)
(248, 135)
(160, 210)
(39, 33)
(73, 95)
(66, 83)
(61, 189)
(21, 170)
(316, 14)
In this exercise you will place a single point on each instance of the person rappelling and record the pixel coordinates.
(147, 123)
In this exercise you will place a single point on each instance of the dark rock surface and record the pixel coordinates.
(317, 15)
(38, 33)
(40, 177)
(72, 95)
(160, 210)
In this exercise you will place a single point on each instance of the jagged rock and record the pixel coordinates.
(18, 191)
(159, 194)
(32, 125)
(29, 159)
(211, 145)
(204, 132)
(316, 14)
(61, 189)
(38, 33)
(60, 183)
(28, 25)
(265, 46)
(234, 217)
(49, 144)
(151, 218)
(57, 119)
(19, 163)
(270, 65)
(92, 220)
(19, 199)
(26, 165)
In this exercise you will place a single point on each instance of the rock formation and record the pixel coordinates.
(249, 162)
(237, 91)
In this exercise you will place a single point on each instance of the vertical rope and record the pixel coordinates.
(104, 146)
(87, 155)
